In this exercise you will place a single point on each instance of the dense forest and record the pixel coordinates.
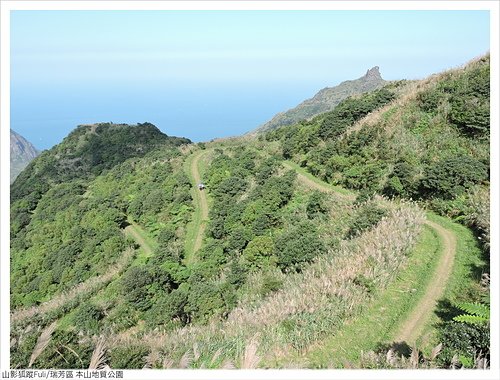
(310, 227)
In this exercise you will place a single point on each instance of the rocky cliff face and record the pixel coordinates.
(373, 74)
(326, 100)
(21, 154)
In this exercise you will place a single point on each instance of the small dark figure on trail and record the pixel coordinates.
(201, 186)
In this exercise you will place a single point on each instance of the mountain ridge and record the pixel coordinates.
(325, 100)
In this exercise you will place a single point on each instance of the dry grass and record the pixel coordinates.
(97, 360)
(250, 359)
(479, 216)
(186, 359)
(91, 285)
(406, 98)
(326, 292)
(42, 342)
(416, 360)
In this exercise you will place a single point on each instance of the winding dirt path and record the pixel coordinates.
(307, 181)
(201, 201)
(412, 327)
(317, 184)
(91, 285)
(132, 231)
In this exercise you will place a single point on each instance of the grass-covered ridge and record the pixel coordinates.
(427, 140)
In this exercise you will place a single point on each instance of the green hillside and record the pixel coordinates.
(301, 240)
(425, 140)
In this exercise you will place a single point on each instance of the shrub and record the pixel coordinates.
(260, 253)
(204, 300)
(316, 205)
(402, 180)
(429, 100)
(87, 318)
(298, 246)
(270, 284)
(452, 176)
(134, 286)
(366, 217)
(350, 110)
(466, 340)
(128, 357)
(122, 317)
(166, 235)
(169, 308)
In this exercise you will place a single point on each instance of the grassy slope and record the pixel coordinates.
(146, 243)
(380, 320)
(193, 227)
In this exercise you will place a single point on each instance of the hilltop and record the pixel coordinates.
(88, 151)
(325, 100)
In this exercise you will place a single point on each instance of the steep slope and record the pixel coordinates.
(426, 140)
(66, 218)
(325, 100)
(22, 152)
(411, 327)
(88, 151)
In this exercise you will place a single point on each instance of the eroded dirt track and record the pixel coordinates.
(201, 201)
(412, 327)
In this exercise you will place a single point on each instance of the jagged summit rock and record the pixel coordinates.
(325, 100)
(373, 74)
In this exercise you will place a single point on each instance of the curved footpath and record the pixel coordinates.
(132, 231)
(196, 228)
(411, 328)
(91, 285)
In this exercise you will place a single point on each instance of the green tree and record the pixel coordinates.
(298, 246)
(259, 253)
(316, 204)
(452, 176)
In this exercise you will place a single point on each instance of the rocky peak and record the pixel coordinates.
(21, 153)
(373, 74)
(20, 148)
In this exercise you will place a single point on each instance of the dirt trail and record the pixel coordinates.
(311, 184)
(91, 285)
(130, 230)
(411, 329)
(201, 201)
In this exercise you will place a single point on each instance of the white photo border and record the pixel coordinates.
(6, 6)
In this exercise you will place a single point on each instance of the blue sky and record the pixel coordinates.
(207, 74)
